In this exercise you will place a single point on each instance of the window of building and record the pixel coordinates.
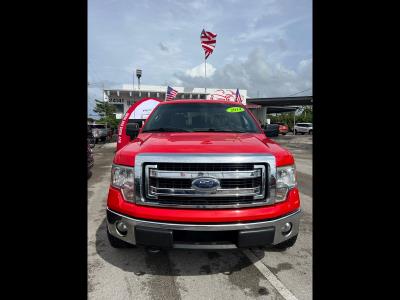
(119, 108)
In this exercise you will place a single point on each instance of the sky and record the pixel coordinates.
(264, 46)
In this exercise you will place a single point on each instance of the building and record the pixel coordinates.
(123, 98)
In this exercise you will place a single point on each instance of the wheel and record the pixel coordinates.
(117, 243)
(286, 244)
(302, 133)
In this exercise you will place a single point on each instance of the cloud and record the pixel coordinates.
(262, 77)
(198, 71)
(269, 33)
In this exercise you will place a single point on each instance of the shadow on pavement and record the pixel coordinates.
(174, 262)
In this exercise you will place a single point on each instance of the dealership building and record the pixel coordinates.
(123, 98)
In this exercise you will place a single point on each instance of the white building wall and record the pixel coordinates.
(125, 95)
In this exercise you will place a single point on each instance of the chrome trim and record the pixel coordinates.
(148, 188)
(261, 194)
(255, 158)
(294, 218)
(194, 193)
(195, 174)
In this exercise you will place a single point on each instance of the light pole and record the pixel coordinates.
(138, 75)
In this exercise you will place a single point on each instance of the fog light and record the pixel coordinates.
(122, 229)
(286, 228)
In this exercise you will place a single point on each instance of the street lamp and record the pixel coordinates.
(138, 75)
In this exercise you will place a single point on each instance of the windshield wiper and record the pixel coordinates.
(218, 130)
(166, 129)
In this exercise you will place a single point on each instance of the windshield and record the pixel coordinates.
(200, 117)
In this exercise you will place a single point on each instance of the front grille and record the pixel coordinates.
(187, 183)
(170, 184)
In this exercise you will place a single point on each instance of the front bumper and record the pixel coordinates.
(203, 236)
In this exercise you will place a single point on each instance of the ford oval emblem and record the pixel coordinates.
(205, 184)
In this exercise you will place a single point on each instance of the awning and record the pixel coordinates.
(281, 101)
(279, 110)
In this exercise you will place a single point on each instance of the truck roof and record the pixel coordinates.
(200, 101)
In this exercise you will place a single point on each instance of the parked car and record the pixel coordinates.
(271, 130)
(303, 128)
(90, 138)
(99, 131)
(90, 160)
(283, 128)
(202, 175)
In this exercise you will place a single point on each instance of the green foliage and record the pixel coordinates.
(106, 112)
(305, 117)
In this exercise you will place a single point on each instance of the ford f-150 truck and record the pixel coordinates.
(202, 174)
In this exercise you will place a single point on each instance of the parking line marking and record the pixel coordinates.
(276, 283)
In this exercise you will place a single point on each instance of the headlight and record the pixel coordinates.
(285, 180)
(123, 178)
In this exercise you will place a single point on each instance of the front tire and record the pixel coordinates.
(286, 244)
(117, 243)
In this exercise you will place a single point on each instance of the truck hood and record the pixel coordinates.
(200, 142)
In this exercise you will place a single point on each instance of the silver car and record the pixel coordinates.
(303, 128)
(99, 132)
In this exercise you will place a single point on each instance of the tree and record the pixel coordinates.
(106, 112)
(305, 117)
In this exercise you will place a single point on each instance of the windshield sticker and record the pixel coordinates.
(235, 109)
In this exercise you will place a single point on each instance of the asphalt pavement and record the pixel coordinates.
(256, 273)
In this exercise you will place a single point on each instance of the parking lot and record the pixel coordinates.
(196, 274)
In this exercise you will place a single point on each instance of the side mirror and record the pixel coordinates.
(132, 130)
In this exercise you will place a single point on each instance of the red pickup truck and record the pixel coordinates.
(202, 174)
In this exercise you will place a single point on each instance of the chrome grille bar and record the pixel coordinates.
(154, 191)
(195, 174)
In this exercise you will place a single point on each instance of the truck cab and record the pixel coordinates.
(202, 174)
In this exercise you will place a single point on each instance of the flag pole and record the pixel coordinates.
(205, 76)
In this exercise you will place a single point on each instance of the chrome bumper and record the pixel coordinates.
(113, 217)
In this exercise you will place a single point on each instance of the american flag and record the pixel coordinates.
(208, 42)
(171, 93)
(238, 97)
